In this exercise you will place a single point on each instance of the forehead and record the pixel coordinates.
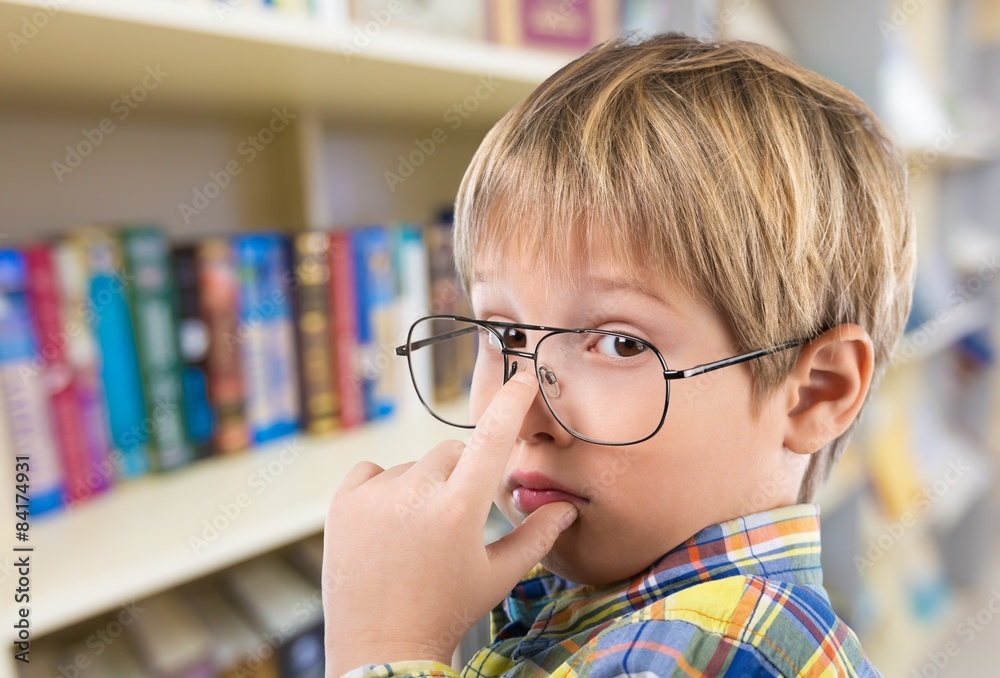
(579, 273)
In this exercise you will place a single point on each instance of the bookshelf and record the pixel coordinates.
(154, 533)
(226, 75)
(90, 51)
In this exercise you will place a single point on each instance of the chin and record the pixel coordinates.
(580, 562)
(579, 555)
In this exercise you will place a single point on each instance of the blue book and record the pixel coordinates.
(111, 320)
(375, 286)
(24, 396)
(265, 335)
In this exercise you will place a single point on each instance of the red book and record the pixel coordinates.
(54, 368)
(345, 330)
(219, 294)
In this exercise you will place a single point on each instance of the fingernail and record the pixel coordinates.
(568, 518)
(525, 377)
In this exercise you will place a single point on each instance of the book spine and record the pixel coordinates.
(343, 297)
(219, 298)
(199, 417)
(154, 317)
(82, 358)
(413, 293)
(266, 337)
(444, 300)
(108, 310)
(54, 370)
(375, 285)
(282, 359)
(312, 273)
(25, 393)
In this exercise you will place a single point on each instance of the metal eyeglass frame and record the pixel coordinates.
(668, 374)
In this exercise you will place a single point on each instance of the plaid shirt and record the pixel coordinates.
(742, 598)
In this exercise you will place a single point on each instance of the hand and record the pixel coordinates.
(405, 570)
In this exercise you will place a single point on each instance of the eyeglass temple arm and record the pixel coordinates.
(406, 348)
(726, 362)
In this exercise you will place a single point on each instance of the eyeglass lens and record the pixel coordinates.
(604, 387)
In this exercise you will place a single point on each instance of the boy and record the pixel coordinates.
(651, 207)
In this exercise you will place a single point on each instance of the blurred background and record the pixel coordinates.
(220, 216)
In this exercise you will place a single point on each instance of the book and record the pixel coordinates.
(152, 297)
(344, 318)
(266, 337)
(52, 367)
(452, 372)
(317, 368)
(286, 609)
(307, 557)
(219, 300)
(237, 650)
(83, 361)
(109, 315)
(170, 639)
(552, 24)
(193, 340)
(25, 395)
(375, 289)
(104, 655)
(437, 17)
(410, 264)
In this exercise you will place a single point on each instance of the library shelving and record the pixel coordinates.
(358, 108)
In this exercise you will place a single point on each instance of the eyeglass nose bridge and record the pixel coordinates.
(510, 367)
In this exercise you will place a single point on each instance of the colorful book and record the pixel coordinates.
(409, 254)
(199, 417)
(281, 603)
(375, 285)
(25, 394)
(315, 340)
(115, 659)
(52, 367)
(344, 314)
(265, 336)
(452, 371)
(170, 639)
(152, 297)
(238, 651)
(553, 24)
(219, 288)
(108, 313)
(82, 359)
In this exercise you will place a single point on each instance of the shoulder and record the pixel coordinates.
(741, 625)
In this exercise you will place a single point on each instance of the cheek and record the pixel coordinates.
(711, 409)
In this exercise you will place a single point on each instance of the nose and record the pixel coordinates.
(539, 425)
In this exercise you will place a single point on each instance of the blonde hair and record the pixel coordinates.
(762, 187)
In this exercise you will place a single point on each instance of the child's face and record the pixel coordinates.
(711, 461)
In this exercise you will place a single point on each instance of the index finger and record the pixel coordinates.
(481, 466)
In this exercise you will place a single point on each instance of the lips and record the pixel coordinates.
(531, 489)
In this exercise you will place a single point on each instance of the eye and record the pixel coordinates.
(513, 337)
(618, 346)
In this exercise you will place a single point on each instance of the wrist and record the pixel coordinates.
(346, 657)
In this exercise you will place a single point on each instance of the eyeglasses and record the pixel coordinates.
(603, 387)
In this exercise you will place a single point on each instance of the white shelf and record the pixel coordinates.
(136, 539)
(90, 52)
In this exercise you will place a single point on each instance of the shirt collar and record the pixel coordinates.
(782, 544)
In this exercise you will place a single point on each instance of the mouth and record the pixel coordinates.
(531, 489)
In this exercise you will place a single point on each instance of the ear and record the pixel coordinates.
(827, 387)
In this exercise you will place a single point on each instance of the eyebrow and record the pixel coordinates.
(602, 285)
